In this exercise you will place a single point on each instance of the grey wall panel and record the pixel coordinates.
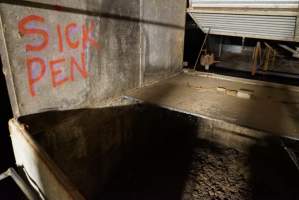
(162, 45)
(85, 52)
(49, 78)
(118, 63)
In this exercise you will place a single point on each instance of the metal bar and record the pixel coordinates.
(291, 154)
(4, 175)
(10, 172)
(206, 37)
(294, 52)
(287, 48)
(220, 46)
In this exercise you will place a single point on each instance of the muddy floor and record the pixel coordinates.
(218, 173)
(206, 170)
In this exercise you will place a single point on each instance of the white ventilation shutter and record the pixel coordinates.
(265, 19)
(256, 26)
(246, 3)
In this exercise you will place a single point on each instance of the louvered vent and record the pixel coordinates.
(255, 26)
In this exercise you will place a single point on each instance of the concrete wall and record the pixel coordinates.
(71, 54)
(163, 43)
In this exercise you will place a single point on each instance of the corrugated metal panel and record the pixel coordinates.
(297, 30)
(246, 3)
(256, 26)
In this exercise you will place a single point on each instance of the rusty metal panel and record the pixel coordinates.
(59, 57)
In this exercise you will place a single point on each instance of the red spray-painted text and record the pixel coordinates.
(69, 37)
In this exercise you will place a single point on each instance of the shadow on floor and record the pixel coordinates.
(159, 169)
(178, 165)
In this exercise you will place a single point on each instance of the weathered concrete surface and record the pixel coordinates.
(77, 54)
(66, 55)
(162, 45)
(273, 108)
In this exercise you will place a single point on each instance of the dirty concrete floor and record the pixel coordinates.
(271, 108)
(218, 172)
(207, 171)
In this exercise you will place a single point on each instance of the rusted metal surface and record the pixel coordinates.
(295, 52)
(207, 60)
(71, 55)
